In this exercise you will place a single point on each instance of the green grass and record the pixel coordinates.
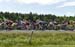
(39, 39)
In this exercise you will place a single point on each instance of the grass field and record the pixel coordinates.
(39, 39)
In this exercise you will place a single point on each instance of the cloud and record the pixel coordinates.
(5, 0)
(39, 1)
(43, 2)
(69, 14)
(0, 0)
(67, 4)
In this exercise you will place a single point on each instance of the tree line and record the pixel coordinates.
(33, 16)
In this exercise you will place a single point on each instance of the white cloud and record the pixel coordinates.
(39, 1)
(67, 4)
(69, 13)
(5, 0)
(0, 0)
(43, 2)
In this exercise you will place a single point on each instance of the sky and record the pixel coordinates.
(57, 7)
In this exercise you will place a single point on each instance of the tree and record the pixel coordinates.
(30, 17)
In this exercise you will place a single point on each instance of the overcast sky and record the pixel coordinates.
(57, 7)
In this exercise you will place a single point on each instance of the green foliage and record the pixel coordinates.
(31, 16)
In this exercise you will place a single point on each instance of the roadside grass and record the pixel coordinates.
(39, 39)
